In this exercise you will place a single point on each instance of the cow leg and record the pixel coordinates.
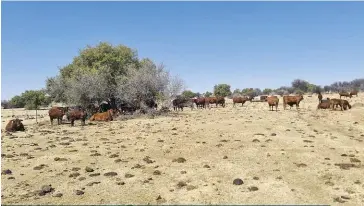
(72, 122)
(51, 120)
(276, 107)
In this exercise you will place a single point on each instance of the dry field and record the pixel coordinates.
(193, 157)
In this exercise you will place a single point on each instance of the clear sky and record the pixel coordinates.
(244, 44)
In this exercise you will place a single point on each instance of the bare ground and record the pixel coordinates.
(284, 157)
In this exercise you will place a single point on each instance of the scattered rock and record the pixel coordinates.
(89, 169)
(191, 187)
(75, 174)
(148, 160)
(181, 184)
(127, 175)
(81, 178)
(59, 159)
(179, 160)
(6, 172)
(157, 172)
(79, 192)
(273, 134)
(92, 183)
(94, 174)
(206, 166)
(45, 189)
(256, 140)
(238, 181)
(58, 195)
(255, 178)
(253, 188)
(339, 200)
(225, 157)
(110, 174)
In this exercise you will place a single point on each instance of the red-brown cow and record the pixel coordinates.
(292, 100)
(324, 105)
(238, 100)
(273, 101)
(200, 102)
(57, 113)
(355, 92)
(15, 125)
(103, 116)
(77, 113)
(344, 94)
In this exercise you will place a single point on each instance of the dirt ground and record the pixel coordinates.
(193, 157)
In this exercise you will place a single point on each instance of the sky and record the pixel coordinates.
(244, 44)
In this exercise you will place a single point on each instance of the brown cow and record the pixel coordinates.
(346, 104)
(355, 92)
(324, 105)
(77, 113)
(221, 101)
(200, 102)
(15, 125)
(237, 100)
(336, 102)
(57, 113)
(273, 101)
(103, 116)
(344, 94)
(292, 100)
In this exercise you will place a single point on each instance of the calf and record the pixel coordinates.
(344, 94)
(15, 125)
(292, 100)
(238, 100)
(77, 114)
(273, 101)
(103, 116)
(57, 113)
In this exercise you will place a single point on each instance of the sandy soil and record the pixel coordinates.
(193, 157)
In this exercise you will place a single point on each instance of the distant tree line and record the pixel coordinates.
(115, 73)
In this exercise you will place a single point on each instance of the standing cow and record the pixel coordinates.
(292, 100)
(273, 101)
(57, 113)
(238, 100)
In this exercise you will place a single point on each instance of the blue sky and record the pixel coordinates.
(244, 44)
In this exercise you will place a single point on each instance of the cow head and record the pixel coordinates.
(18, 125)
(300, 97)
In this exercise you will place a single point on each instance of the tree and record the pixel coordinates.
(327, 88)
(222, 90)
(6, 104)
(237, 91)
(207, 94)
(300, 84)
(267, 91)
(17, 102)
(189, 94)
(33, 98)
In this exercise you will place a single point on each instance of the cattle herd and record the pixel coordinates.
(107, 111)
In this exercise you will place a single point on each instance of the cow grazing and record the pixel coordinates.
(220, 101)
(355, 92)
(273, 101)
(346, 104)
(336, 102)
(344, 94)
(15, 125)
(215, 100)
(77, 113)
(103, 116)
(292, 100)
(57, 113)
(324, 105)
(238, 100)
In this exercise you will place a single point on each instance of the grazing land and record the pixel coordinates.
(192, 157)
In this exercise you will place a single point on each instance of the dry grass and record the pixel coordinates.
(284, 157)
